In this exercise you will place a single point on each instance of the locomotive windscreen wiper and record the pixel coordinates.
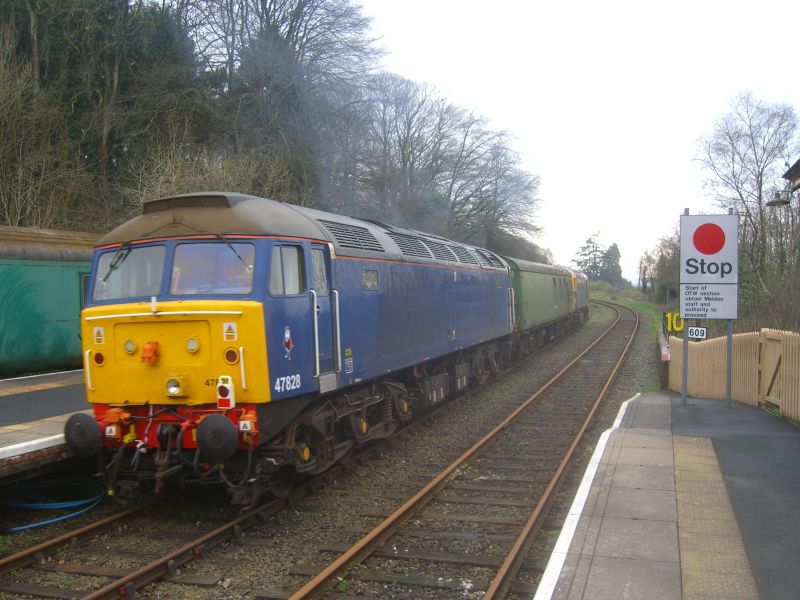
(119, 257)
(239, 256)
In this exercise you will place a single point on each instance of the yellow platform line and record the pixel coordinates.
(713, 559)
(9, 389)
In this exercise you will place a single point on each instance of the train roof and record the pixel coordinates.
(26, 243)
(534, 267)
(225, 213)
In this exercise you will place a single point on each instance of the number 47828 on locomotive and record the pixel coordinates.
(234, 339)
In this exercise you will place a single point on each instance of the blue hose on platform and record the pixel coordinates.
(29, 497)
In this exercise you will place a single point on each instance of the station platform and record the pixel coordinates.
(695, 501)
(33, 411)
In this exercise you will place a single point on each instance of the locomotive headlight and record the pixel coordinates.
(130, 346)
(192, 345)
(175, 386)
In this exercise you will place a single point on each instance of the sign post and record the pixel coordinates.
(709, 277)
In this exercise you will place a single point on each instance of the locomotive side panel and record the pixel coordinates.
(396, 315)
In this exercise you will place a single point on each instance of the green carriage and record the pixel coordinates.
(42, 281)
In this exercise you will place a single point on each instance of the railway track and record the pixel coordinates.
(504, 483)
(506, 476)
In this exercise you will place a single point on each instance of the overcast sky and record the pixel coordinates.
(605, 100)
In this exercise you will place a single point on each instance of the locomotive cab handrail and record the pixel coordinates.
(241, 367)
(87, 369)
(162, 313)
(512, 309)
(315, 312)
(338, 330)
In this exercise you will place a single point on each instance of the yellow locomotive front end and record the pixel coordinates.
(155, 371)
(174, 353)
(176, 380)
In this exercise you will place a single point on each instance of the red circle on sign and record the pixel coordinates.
(708, 238)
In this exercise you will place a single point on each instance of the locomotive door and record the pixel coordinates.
(320, 290)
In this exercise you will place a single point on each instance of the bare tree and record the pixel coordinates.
(471, 149)
(510, 198)
(745, 155)
(399, 144)
(36, 179)
(328, 37)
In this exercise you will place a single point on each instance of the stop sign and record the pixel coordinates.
(709, 249)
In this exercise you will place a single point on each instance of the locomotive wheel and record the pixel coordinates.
(304, 452)
(359, 427)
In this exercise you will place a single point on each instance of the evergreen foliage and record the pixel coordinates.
(598, 263)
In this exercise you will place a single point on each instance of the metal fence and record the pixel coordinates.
(766, 369)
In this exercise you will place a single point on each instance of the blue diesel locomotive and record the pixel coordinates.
(237, 339)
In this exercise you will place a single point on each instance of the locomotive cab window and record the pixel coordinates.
(320, 272)
(127, 272)
(287, 271)
(212, 268)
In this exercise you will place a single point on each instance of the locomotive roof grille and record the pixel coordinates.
(353, 236)
(493, 260)
(410, 246)
(184, 202)
(481, 260)
(464, 255)
(441, 251)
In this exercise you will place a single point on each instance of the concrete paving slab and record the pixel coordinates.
(654, 477)
(587, 531)
(641, 456)
(640, 439)
(638, 539)
(572, 585)
(614, 578)
(658, 505)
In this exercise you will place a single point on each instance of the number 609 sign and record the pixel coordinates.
(697, 333)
